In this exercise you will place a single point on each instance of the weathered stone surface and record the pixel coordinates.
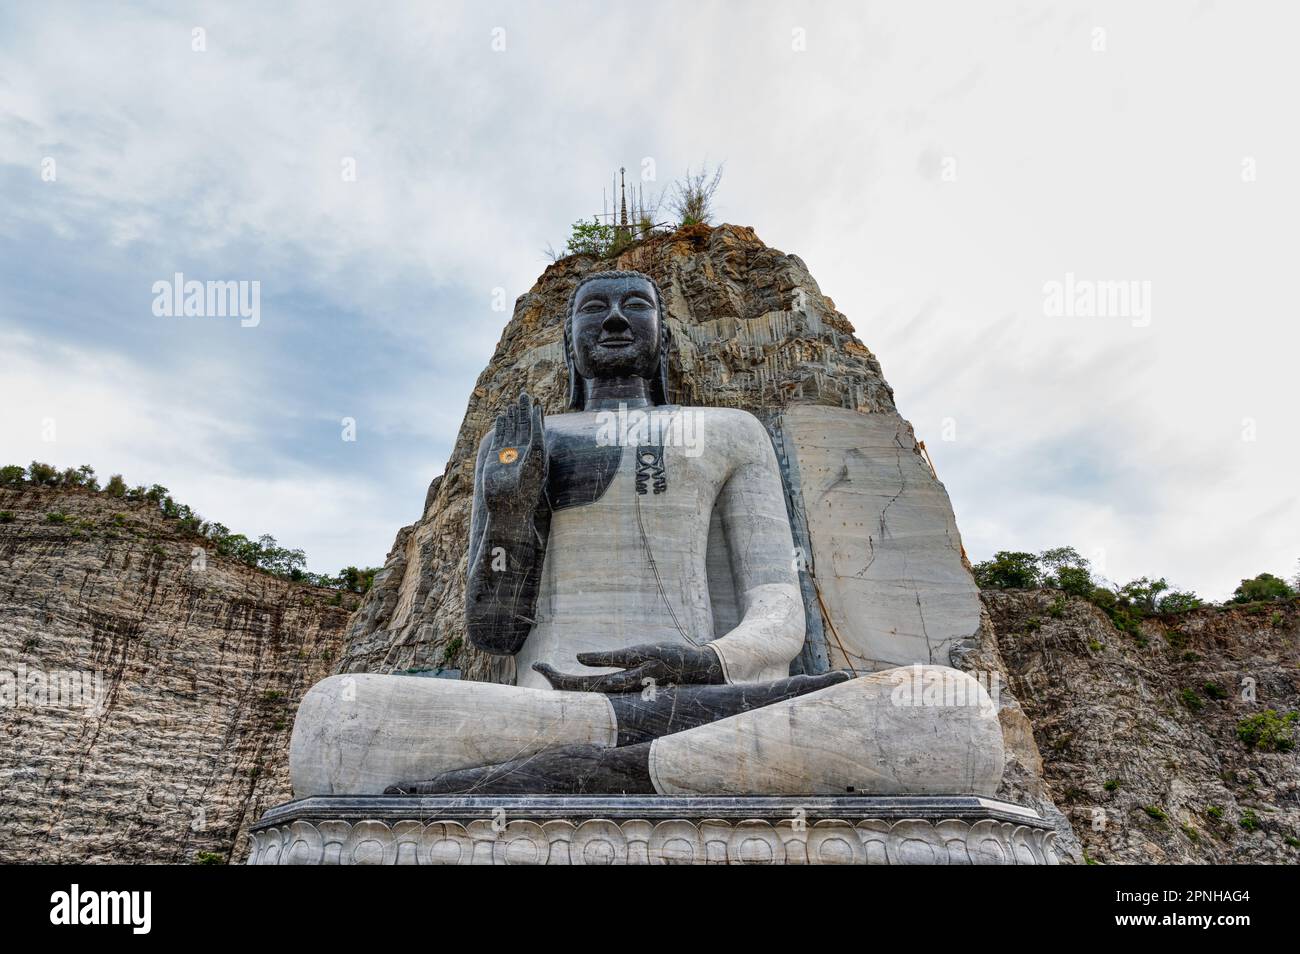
(442, 830)
(201, 672)
(886, 556)
(1118, 736)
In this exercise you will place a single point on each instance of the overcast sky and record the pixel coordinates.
(936, 165)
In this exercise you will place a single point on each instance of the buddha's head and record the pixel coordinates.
(616, 329)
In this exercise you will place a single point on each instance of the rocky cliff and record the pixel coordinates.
(1139, 734)
(192, 670)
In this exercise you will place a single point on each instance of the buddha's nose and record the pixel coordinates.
(615, 323)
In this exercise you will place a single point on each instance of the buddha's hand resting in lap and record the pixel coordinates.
(515, 465)
(651, 664)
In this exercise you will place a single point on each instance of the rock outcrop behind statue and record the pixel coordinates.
(1139, 734)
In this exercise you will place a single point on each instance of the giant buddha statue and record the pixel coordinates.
(636, 558)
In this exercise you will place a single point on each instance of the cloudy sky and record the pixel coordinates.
(937, 165)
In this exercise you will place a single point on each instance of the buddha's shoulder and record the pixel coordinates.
(730, 417)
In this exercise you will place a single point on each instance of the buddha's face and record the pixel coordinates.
(616, 329)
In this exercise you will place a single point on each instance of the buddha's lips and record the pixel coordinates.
(617, 343)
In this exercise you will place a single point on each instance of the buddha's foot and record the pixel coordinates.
(645, 716)
(560, 770)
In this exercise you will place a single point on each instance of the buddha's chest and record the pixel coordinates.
(610, 464)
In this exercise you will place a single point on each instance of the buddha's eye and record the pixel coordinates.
(594, 305)
(636, 303)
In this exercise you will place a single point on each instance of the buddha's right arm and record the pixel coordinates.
(506, 550)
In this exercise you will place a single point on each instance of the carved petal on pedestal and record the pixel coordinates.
(985, 844)
(255, 840)
(559, 834)
(915, 842)
(637, 832)
(1022, 841)
(875, 840)
(834, 841)
(522, 843)
(755, 842)
(406, 837)
(303, 846)
(715, 833)
(272, 846)
(369, 843)
(335, 835)
(598, 842)
(956, 835)
(676, 842)
(794, 838)
(446, 843)
(1050, 855)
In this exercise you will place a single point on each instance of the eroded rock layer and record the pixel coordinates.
(193, 670)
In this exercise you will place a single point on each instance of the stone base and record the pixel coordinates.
(657, 830)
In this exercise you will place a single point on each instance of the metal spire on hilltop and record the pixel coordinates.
(623, 231)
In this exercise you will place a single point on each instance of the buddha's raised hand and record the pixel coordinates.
(660, 663)
(514, 468)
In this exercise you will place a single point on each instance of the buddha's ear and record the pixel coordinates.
(577, 396)
(660, 384)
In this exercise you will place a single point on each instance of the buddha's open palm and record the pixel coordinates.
(661, 663)
(515, 465)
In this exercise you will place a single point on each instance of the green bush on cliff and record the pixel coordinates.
(1008, 570)
(42, 475)
(1268, 731)
(593, 238)
(1075, 581)
(1178, 601)
(12, 475)
(1266, 586)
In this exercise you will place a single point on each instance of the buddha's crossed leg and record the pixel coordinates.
(830, 734)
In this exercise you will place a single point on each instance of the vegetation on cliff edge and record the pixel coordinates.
(1064, 569)
(263, 553)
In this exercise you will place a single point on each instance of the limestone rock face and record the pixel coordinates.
(199, 670)
(1123, 743)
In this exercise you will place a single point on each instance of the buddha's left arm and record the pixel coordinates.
(757, 530)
